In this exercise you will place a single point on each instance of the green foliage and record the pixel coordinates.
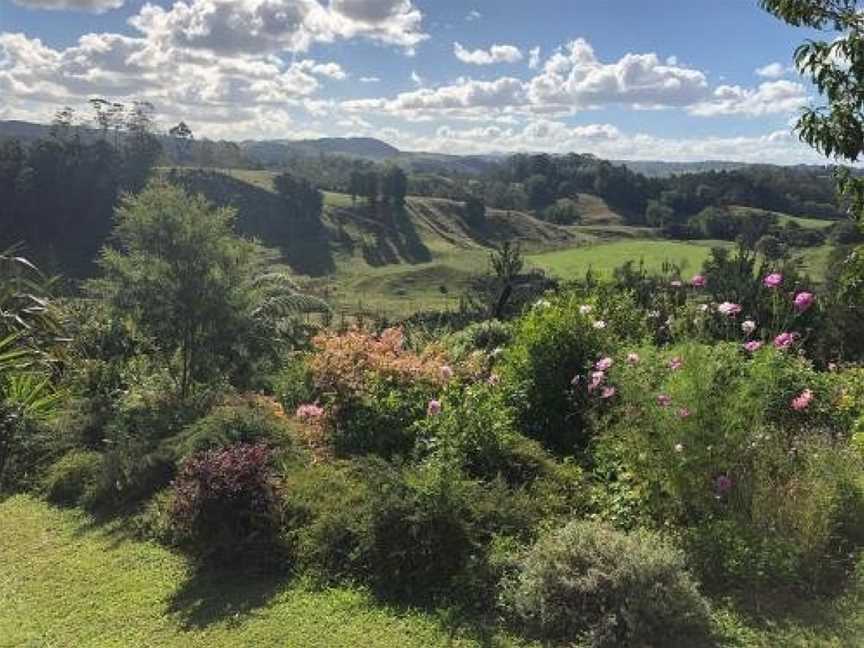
(587, 582)
(73, 478)
(203, 295)
(247, 421)
(552, 344)
(487, 336)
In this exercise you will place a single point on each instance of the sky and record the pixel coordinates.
(678, 80)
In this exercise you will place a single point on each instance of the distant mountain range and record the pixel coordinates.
(279, 152)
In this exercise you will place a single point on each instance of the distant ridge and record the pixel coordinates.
(280, 152)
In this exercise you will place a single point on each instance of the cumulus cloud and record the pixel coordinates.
(574, 76)
(331, 70)
(261, 26)
(772, 71)
(571, 79)
(607, 141)
(495, 54)
(769, 98)
(90, 6)
(534, 57)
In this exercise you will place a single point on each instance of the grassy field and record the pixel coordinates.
(394, 263)
(603, 258)
(66, 581)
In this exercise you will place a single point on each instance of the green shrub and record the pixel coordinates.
(480, 336)
(588, 582)
(326, 515)
(380, 420)
(294, 386)
(73, 478)
(412, 533)
(709, 438)
(552, 344)
(247, 419)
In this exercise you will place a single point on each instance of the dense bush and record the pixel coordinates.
(247, 419)
(225, 504)
(745, 454)
(588, 582)
(552, 344)
(73, 478)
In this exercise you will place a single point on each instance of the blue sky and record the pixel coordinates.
(658, 79)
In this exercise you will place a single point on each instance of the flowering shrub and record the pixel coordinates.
(551, 347)
(225, 502)
(719, 440)
(349, 362)
(373, 389)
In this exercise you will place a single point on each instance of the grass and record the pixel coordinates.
(67, 582)
(604, 258)
(394, 264)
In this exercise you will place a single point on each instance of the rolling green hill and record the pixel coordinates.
(397, 261)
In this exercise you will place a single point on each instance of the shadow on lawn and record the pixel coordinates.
(213, 595)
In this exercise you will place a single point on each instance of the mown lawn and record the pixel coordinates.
(603, 258)
(66, 582)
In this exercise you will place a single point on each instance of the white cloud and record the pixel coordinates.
(473, 15)
(573, 76)
(90, 6)
(331, 70)
(772, 71)
(261, 26)
(495, 54)
(369, 79)
(769, 98)
(534, 57)
(607, 141)
(416, 79)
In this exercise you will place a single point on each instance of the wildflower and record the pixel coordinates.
(729, 309)
(752, 346)
(785, 340)
(698, 281)
(633, 358)
(802, 401)
(654, 314)
(676, 284)
(434, 408)
(679, 448)
(608, 392)
(493, 379)
(683, 412)
(584, 309)
(597, 378)
(748, 326)
(599, 324)
(496, 352)
(542, 303)
(722, 484)
(603, 364)
(703, 308)
(803, 301)
(309, 411)
(676, 363)
(446, 372)
(773, 280)
(664, 400)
